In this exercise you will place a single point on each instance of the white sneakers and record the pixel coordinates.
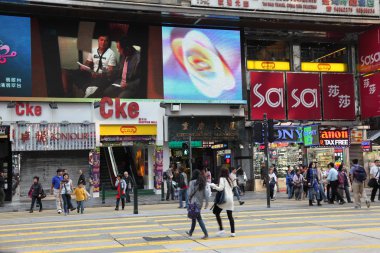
(220, 233)
(233, 234)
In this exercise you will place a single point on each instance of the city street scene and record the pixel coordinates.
(190, 125)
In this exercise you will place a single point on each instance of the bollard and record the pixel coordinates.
(135, 203)
(103, 194)
(162, 191)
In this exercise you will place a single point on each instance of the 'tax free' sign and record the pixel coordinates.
(334, 137)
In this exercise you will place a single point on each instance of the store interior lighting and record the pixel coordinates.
(11, 104)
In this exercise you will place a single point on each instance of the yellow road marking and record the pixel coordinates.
(362, 247)
(78, 249)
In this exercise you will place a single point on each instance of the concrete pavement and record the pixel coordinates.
(289, 226)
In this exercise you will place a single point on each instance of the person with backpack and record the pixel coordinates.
(375, 174)
(36, 193)
(225, 185)
(358, 177)
(182, 185)
(313, 184)
(198, 193)
(332, 178)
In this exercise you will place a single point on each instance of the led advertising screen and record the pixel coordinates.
(201, 64)
(15, 56)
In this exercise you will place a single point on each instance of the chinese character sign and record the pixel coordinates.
(369, 50)
(338, 97)
(267, 95)
(370, 96)
(304, 100)
(15, 56)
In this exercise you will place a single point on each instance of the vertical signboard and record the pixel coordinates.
(369, 50)
(303, 93)
(15, 56)
(338, 97)
(370, 96)
(267, 95)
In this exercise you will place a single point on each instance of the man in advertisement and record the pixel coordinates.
(127, 79)
(94, 75)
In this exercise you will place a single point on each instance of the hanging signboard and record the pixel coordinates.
(289, 134)
(370, 95)
(330, 7)
(367, 146)
(39, 137)
(311, 135)
(332, 137)
(369, 50)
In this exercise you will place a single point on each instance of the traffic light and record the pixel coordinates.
(185, 149)
(272, 132)
(258, 132)
(227, 159)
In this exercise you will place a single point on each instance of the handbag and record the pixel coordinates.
(193, 211)
(220, 197)
(373, 181)
(43, 194)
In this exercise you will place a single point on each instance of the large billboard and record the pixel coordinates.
(77, 61)
(370, 96)
(15, 56)
(329, 7)
(369, 51)
(201, 64)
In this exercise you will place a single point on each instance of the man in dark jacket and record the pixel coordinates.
(37, 191)
(82, 179)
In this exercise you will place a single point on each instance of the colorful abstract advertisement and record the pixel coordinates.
(94, 162)
(15, 56)
(158, 167)
(201, 64)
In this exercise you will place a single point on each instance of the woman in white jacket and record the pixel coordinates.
(225, 185)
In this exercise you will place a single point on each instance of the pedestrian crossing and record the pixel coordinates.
(290, 230)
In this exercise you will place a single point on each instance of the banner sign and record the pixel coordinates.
(15, 56)
(338, 97)
(202, 128)
(303, 93)
(158, 158)
(367, 146)
(46, 137)
(332, 137)
(370, 96)
(289, 134)
(311, 135)
(267, 95)
(332, 7)
(369, 50)
(94, 162)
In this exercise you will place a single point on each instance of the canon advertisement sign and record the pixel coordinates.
(369, 50)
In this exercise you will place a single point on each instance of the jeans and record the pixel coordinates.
(66, 202)
(217, 210)
(34, 198)
(374, 191)
(80, 206)
(236, 192)
(347, 192)
(169, 190)
(289, 189)
(201, 224)
(181, 192)
(122, 203)
(313, 193)
(322, 192)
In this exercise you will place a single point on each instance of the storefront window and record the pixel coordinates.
(324, 57)
(268, 55)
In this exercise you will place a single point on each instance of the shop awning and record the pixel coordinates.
(374, 135)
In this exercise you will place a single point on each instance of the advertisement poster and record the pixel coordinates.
(15, 56)
(94, 163)
(304, 99)
(267, 95)
(338, 97)
(370, 96)
(369, 50)
(332, 137)
(333, 7)
(201, 64)
(158, 167)
(311, 135)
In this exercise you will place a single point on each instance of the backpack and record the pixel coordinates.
(341, 178)
(360, 174)
(165, 176)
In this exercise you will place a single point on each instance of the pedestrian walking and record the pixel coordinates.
(183, 185)
(289, 182)
(241, 180)
(54, 189)
(321, 182)
(2, 186)
(235, 187)
(81, 179)
(36, 192)
(275, 171)
(347, 186)
(305, 186)
(313, 184)
(344, 184)
(225, 184)
(129, 185)
(121, 187)
(374, 176)
(358, 177)
(297, 184)
(272, 184)
(169, 182)
(332, 178)
(65, 190)
(198, 193)
(208, 180)
(80, 196)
